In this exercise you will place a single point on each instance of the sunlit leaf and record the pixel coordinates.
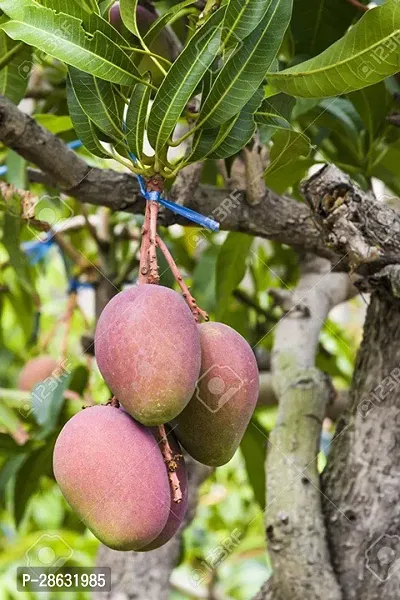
(367, 54)
(182, 79)
(244, 72)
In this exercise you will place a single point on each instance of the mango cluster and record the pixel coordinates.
(162, 367)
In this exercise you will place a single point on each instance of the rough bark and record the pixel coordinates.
(145, 576)
(294, 521)
(362, 484)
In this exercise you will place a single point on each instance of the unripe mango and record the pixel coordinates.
(213, 423)
(35, 371)
(177, 510)
(111, 471)
(147, 348)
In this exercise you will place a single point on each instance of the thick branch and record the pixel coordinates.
(363, 231)
(294, 520)
(361, 484)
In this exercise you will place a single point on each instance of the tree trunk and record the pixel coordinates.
(361, 484)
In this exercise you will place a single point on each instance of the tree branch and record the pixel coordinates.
(294, 520)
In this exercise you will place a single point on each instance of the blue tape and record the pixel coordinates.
(74, 285)
(187, 213)
(37, 250)
(3, 170)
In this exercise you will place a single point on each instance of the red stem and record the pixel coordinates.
(144, 267)
(171, 460)
(153, 264)
(358, 5)
(198, 313)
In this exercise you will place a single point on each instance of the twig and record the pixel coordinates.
(171, 460)
(153, 264)
(358, 5)
(198, 313)
(144, 267)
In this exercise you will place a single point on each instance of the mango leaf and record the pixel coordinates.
(83, 125)
(48, 400)
(207, 141)
(288, 157)
(92, 22)
(64, 37)
(136, 119)
(14, 75)
(8, 470)
(79, 379)
(99, 101)
(9, 420)
(166, 19)
(54, 123)
(317, 24)
(372, 105)
(276, 111)
(244, 72)
(37, 464)
(182, 79)
(241, 18)
(128, 10)
(231, 266)
(242, 130)
(367, 54)
(252, 448)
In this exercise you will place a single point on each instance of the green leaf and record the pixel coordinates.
(8, 419)
(92, 22)
(207, 141)
(242, 130)
(288, 158)
(36, 465)
(244, 72)
(48, 399)
(317, 24)
(276, 111)
(253, 446)
(372, 105)
(231, 266)
(54, 123)
(241, 18)
(8, 470)
(64, 37)
(136, 119)
(99, 101)
(15, 74)
(79, 379)
(182, 79)
(128, 10)
(83, 126)
(166, 19)
(367, 54)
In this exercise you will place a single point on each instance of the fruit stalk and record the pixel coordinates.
(171, 461)
(198, 313)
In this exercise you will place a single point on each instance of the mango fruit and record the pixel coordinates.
(36, 370)
(212, 425)
(147, 348)
(177, 511)
(111, 471)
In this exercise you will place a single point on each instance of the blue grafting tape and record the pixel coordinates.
(75, 144)
(36, 251)
(74, 285)
(3, 170)
(187, 213)
(190, 214)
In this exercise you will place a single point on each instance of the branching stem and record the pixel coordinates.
(171, 461)
(198, 313)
